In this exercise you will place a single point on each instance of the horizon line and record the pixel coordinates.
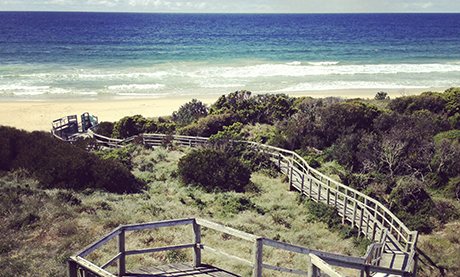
(229, 13)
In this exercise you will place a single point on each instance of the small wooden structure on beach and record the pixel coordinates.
(68, 127)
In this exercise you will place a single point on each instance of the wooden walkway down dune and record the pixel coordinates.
(393, 252)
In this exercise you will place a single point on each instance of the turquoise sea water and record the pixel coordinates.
(79, 54)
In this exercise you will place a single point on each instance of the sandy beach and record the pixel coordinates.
(33, 115)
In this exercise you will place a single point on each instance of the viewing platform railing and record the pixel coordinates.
(319, 263)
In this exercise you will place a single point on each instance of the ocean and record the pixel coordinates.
(55, 54)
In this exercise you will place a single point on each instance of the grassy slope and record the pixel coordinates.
(41, 228)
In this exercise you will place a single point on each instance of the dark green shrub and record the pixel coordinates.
(413, 205)
(214, 170)
(133, 125)
(190, 112)
(432, 102)
(452, 97)
(230, 204)
(105, 128)
(209, 125)
(262, 108)
(121, 155)
(232, 132)
(381, 95)
(57, 164)
(324, 213)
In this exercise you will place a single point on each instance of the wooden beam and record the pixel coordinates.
(72, 268)
(227, 230)
(158, 224)
(197, 241)
(91, 248)
(323, 266)
(121, 250)
(159, 249)
(258, 258)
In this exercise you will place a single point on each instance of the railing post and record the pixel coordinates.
(197, 247)
(302, 185)
(279, 161)
(374, 230)
(414, 270)
(258, 252)
(319, 192)
(354, 211)
(121, 249)
(311, 271)
(345, 203)
(291, 174)
(72, 268)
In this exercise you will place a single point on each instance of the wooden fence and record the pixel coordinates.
(319, 263)
(371, 218)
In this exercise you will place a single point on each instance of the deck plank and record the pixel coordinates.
(180, 270)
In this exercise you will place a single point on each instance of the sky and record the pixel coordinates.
(234, 6)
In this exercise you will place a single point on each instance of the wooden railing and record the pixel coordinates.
(369, 216)
(319, 263)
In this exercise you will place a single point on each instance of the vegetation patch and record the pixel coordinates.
(214, 170)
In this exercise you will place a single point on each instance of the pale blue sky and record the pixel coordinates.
(235, 6)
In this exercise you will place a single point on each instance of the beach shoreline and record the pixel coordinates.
(37, 113)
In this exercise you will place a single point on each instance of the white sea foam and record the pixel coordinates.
(320, 86)
(284, 70)
(183, 77)
(131, 87)
(323, 63)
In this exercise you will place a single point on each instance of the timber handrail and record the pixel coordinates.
(317, 261)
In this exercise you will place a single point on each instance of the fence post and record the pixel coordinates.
(319, 191)
(291, 174)
(360, 224)
(121, 249)
(72, 268)
(345, 203)
(354, 212)
(374, 230)
(197, 247)
(302, 185)
(258, 248)
(311, 271)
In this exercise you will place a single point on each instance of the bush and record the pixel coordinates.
(209, 125)
(432, 102)
(324, 213)
(412, 204)
(57, 164)
(381, 95)
(190, 112)
(214, 170)
(133, 125)
(105, 129)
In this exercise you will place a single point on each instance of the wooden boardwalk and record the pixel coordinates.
(179, 270)
(392, 253)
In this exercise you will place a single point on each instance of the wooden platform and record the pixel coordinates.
(181, 269)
